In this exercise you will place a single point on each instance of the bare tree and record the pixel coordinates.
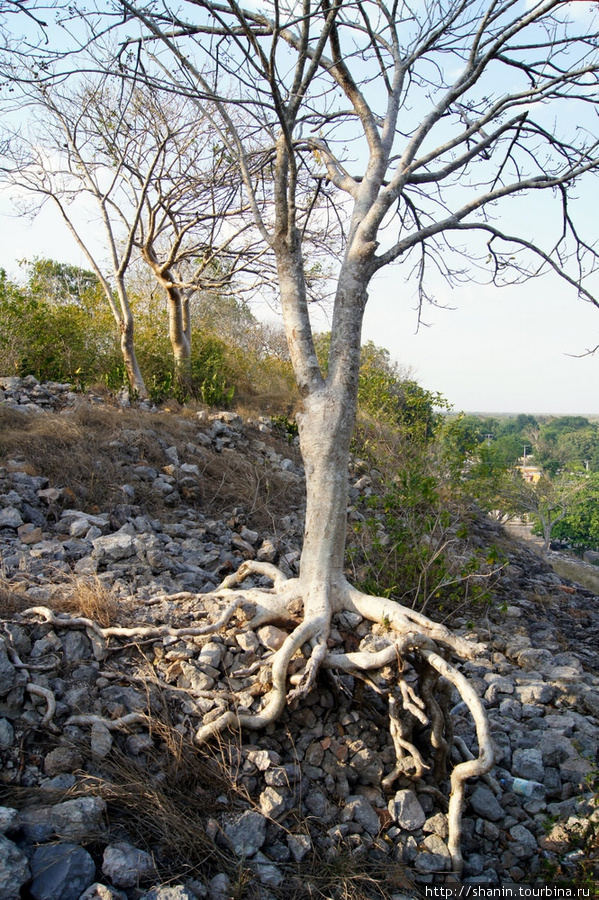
(163, 189)
(425, 122)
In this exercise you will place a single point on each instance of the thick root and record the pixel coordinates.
(412, 638)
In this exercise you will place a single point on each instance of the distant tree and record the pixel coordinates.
(547, 502)
(163, 190)
(579, 528)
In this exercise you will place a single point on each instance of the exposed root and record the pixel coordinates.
(415, 645)
(122, 723)
(37, 691)
(401, 743)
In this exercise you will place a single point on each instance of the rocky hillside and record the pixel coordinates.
(113, 524)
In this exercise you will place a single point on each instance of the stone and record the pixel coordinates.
(61, 872)
(528, 763)
(112, 547)
(271, 637)
(267, 872)
(300, 845)
(79, 819)
(220, 887)
(10, 518)
(556, 749)
(101, 740)
(99, 891)
(14, 870)
(524, 843)
(7, 734)
(9, 819)
(8, 672)
(169, 892)
(126, 866)
(369, 766)
(211, 655)
(272, 803)
(406, 810)
(437, 825)
(537, 692)
(435, 858)
(362, 812)
(246, 833)
(484, 803)
(60, 760)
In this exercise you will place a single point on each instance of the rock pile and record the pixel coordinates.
(86, 712)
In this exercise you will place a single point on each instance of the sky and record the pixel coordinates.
(494, 350)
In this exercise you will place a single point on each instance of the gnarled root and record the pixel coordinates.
(415, 644)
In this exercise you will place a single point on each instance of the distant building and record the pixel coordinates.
(529, 472)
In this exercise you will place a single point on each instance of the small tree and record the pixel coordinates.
(547, 502)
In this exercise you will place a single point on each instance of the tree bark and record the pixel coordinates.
(130, 359)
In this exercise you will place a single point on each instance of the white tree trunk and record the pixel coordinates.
(130, 359)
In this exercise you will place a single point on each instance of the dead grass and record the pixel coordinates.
(90, 598)
(12, 600)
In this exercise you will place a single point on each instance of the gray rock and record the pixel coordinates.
(99, 891)
(536, 692)
(300, 845)
(528, 763)
(9, 819)
(369, 766)
(556, 749)
(126, 866)
(169, 892)
(485, 804)
(220, 887)
(362, 812)
(14, 870)
(112, 547)
(435, 858)
(8, 672)
(210, 654)
(7, 734)
(61, 872)
(406, 810)
(268, 873)
(80, 818)
(10, 518)
(61, 760)
(246, 833)
(524, 843)
(101, 740)
(272, 803)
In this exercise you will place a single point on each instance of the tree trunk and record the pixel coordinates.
(130, 359)
(179, 329)
(325, 428)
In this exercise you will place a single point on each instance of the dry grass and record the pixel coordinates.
(12, 600)
(234, 480)
(73, 450)
(90, 598)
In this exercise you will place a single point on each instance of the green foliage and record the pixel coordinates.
(387, 395)
(285, 426)
(580, 527)
(70, 340)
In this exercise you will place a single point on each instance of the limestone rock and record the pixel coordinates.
(61, 872)
(246, 833)
(406, 810)
(14, 870)
(126, 866)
